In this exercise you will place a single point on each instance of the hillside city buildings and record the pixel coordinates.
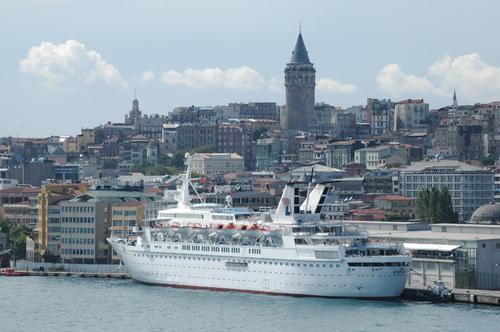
(75, 191)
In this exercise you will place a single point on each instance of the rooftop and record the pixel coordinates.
(393, 198)
(20, 190)
(299, 53)
(444, 164)
(200, 156)
(112, 196)
(435, 237)
(410, 101)
(317, 168)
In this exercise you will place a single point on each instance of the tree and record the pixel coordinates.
(110, 163)
(488, 160)
(435, 206)
(16, 237)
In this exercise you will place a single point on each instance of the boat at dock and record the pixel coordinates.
(291, 251)
(13, 273)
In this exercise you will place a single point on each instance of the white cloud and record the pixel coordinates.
(394, 81)
(333, 86)
(275, 84)
(69, 65)
(241, 78)
(474, 79)
(148, 75)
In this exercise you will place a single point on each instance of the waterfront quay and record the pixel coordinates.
(4, 272)
(475, 296)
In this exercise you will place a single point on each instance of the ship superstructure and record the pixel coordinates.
(291, 251)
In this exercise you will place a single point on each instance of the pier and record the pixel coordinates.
(475, 296)
(18, 272)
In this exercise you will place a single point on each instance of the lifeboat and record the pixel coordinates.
(196, 226)
(229, 226)
(174, 224)
(253, 227)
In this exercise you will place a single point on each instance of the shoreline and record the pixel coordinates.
(471, 296)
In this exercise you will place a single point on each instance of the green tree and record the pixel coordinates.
(435, 206)
(488, 160)
(110, 163)
(16, 236)
(422, 204)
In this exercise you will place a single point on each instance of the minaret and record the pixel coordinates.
(300, 82)
(454, 108)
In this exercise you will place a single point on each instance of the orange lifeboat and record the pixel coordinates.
(253, 227)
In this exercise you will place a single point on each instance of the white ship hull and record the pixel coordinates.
(273, 271)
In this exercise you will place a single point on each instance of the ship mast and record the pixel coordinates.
(184, 194)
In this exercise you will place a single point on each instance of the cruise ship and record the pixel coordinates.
(291, 251)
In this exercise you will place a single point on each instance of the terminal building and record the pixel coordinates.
(461, 255)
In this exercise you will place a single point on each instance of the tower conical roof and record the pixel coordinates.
(299, 54)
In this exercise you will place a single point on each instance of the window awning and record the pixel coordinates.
(431, 246)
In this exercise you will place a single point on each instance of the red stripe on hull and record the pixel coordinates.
(218, 289)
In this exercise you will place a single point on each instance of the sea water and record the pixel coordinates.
(88, 304)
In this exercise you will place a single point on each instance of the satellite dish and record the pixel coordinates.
(187, 155)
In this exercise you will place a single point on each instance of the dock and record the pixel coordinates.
(71, 274)
(475, 296)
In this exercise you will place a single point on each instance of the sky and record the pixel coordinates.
(72, 64)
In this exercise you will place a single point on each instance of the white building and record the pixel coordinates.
(216, 163)
(379, 157)
(462, 255)
(410, 113)
(470, 187)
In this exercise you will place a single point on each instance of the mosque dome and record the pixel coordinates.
(486, 214)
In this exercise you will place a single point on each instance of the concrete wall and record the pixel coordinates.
(488, 264)
(426, 271)
(466, 228)
(90, 268)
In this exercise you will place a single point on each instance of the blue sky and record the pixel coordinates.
(68, 64)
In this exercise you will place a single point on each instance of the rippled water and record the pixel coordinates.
(77, 304)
